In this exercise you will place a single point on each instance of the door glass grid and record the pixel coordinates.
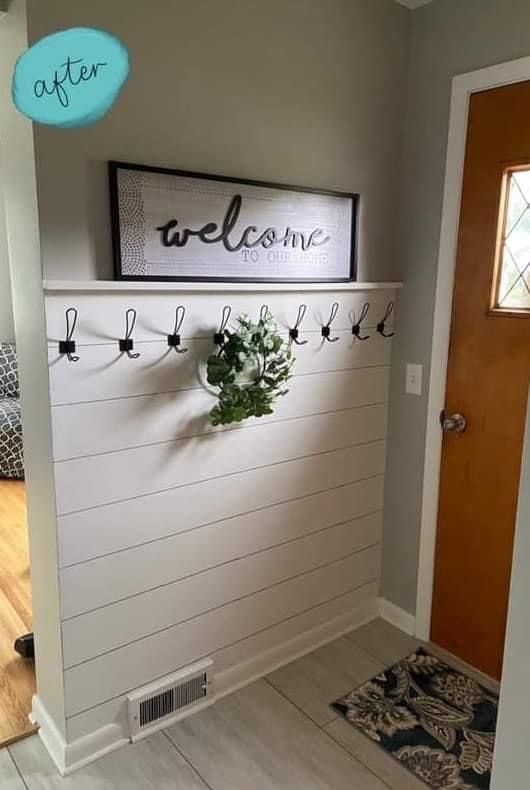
(513, 286)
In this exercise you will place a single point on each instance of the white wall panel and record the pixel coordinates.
(115, 710)
(113, 527)
(170, 416)
(178, 540)
(129, 667)
(97, 480)
(120, 574)
(102, 316)
(258, 643)
(89, 635)
(103, 373)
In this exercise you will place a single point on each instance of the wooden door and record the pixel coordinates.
(488, 378)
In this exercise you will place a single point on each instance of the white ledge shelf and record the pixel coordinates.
(117, 286)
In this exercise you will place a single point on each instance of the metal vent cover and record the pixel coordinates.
(169, 699)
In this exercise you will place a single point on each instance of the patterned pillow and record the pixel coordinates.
(11, 447)
(8, 371)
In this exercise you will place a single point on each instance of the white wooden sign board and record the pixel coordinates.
(169, 225)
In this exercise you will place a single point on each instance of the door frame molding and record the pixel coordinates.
(463, 86)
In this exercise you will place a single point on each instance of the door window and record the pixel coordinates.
(511, 293)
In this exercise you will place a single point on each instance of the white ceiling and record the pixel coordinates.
(413, 3)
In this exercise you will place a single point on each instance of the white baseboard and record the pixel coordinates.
(68, 757)
(248, 671)
(48, 732)
(399, 617)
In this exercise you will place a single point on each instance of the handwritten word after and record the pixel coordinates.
(72, 75)
(210, 233)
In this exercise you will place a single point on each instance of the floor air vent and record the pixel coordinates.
(169, 699)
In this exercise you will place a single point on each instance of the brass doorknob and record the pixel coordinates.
(453, 423)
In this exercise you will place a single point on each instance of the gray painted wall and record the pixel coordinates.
(305, 92)
(448, 37)
(7, 330)
(296, 93)
(511, 751)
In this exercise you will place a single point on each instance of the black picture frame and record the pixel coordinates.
(113, 168)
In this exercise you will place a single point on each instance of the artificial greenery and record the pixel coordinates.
(250, 370)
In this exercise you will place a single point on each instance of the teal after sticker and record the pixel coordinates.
(70, 78)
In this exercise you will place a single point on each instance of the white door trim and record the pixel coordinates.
(463, 86)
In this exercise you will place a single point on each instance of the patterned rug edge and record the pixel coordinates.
(434, 764)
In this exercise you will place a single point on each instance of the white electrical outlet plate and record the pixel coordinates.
(414, 379)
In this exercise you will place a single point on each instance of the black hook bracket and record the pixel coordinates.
(127, 343)
(356, 327)
(381, 324)
(174, 340)
(264, 313)
(219, 336)
(326, 329)
(67, 346)
(294, 332)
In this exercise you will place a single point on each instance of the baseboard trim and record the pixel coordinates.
(48, 732)
(68, 757)
(396, 616)
(237, 677)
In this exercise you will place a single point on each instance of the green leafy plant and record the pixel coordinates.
(250, 370)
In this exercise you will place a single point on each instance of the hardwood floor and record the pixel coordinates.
(17, 676)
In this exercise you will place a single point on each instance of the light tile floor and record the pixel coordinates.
(276, 734)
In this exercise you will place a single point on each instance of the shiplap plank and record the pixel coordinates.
(89, 635)
(99, 531)
(245, 650)
(102, 317)
(98, 480)
(179, 597)
(121, 574)
(101, 373)
(263, 641)
(92, 428)
(129, 667)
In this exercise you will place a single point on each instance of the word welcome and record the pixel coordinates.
(210, 233)
(70, 76)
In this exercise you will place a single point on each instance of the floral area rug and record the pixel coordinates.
(439, 723)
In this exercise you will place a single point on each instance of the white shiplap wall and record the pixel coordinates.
(179, 541)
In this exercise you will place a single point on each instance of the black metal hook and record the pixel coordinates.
(294, 333)
(219, 337)
(67, 346)
(264, 313)
(356, 328)
(326, 329)
(175, 339)
(381, 324)
(127, 343)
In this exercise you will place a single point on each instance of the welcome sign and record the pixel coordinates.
(174, 225)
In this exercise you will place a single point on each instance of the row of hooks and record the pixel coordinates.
(174, 340)
(294, 332)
